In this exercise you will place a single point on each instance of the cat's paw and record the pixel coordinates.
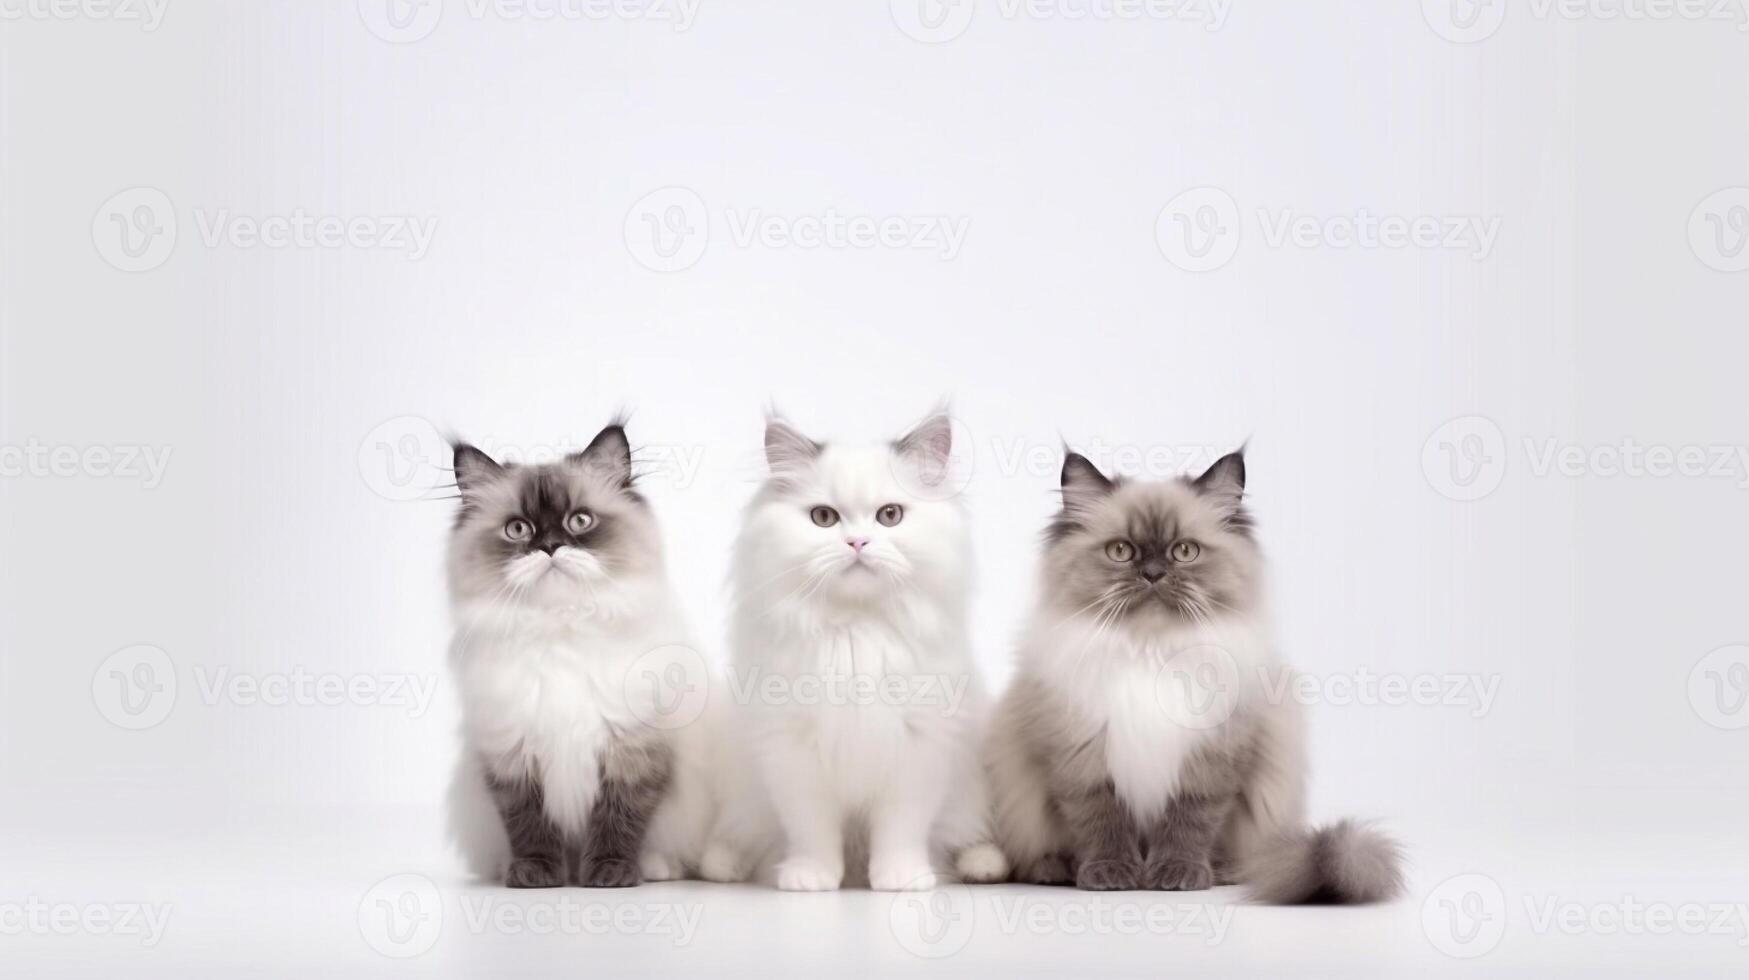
(1108, 875)
(1174, 875)
(608, 873)
(981, 864)
(655, 866)
(808, 875)
(1048, 870)
(900, 875)
(534, 873)
(722, 863)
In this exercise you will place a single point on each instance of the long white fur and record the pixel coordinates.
(907, 774)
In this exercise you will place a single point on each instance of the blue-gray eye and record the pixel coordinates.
(890, 514)
(579, 521)
(1120, 551)
(824, 516)
(517, 529)
(1183, 551)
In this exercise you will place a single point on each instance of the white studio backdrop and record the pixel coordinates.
(1468, 278)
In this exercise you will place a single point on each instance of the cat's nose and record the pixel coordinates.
(550, 546)
(1153, 572)
(856, 544)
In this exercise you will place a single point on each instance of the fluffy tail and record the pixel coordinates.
(1346, 863)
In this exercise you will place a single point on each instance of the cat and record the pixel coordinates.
(850, 575)
(566, 633)
(1136, 747)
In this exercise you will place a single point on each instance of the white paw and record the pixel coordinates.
(722, 862)
(981, 864)
(901, 876)
(808, 875)
(661, 867)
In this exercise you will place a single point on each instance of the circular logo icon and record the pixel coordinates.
(1198, 231)
(668, 687)
(135, 230)
(933, 21)
(933, 924)
(405, 458)
(1465, 459)
(1718, 687)
(1718, 230)
(1465, 916)
(401, 21)
(667, 230)
(135, 687)
(1198, 687)
(1464, 21)
(936, 461)
(401, 916)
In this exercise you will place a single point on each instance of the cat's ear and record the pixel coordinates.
(1224, 483)
(473, 471)
(785, 446)
(1083, 484)
(929, 447)
(608, 454)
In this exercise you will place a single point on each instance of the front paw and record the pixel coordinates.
(534, 873)
(1108, 875)
(898, 875)
(608, 873)
(1174, 875)
(808, 875)
(656, 866)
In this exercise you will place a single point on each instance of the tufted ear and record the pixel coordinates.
(1083, 484)
(608, 454)
(473, 470)
(929, 447)
(786, 447)
(1224, 482)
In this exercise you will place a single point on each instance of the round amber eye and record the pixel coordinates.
(890, 514)
(1186, 551)
(517, 529)
(1120, 551)
(579, 522)
(824, 516)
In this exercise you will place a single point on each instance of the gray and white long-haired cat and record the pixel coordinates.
(566, 631)
(1138, 746)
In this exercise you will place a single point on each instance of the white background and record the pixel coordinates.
(1608, 309)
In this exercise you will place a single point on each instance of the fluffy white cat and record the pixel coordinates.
(859, 702)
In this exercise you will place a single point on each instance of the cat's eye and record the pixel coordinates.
(1183, 551)
(824, 516)
(579, 521)
(890, 514)
(1120, 551)
(517, 529)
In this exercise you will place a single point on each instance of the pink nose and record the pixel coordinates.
(857, 544)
